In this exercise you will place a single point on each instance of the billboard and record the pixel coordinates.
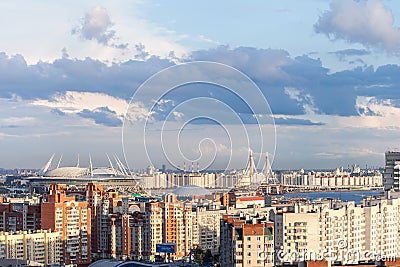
(166, 248)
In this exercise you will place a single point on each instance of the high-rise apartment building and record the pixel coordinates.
(247, 241)
(382, 226)
(177, 224)
(19, 217)
(72, 218)
(391, 175)
(93, 197)
(206, 228)
(339, 232)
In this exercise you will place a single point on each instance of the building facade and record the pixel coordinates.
(248, 241)
(338, 232)
(44, 247)
(72, 219)
(391, 175)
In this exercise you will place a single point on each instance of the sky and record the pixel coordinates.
(328, 69)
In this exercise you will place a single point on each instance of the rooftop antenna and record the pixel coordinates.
(111, 165)
(59, 161)
(91, 165)
(198, 168)
(184, 166)
(77, 164)
(192, 167)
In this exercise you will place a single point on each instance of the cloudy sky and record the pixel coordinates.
(329, 69)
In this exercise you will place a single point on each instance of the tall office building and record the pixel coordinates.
(392, 170)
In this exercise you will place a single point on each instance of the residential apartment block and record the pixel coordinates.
(338, 231)
(72, 218)
(248, 241)
(44, 247)
(391, 176)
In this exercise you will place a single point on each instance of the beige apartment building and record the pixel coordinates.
(43, 246)
(247, 241)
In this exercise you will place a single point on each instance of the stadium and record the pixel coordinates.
(115, 176)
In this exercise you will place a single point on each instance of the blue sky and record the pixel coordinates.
(329, 70)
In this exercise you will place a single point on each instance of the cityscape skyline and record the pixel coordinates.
(209, 133)
(331, 86)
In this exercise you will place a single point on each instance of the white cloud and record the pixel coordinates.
(367, 22)
(96, 25)
(110, 26)
(305, 100)
(350, 152)
(103, 108)
(16, 120)
(74, 102)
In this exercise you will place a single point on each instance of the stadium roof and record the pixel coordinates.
(67, 172)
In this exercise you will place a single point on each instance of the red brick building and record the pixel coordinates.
(73, 218)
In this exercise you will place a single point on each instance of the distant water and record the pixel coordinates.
(355, 196)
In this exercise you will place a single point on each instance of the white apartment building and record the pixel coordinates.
(206, 228)
(332, 179)
(294, 233)
(339, 231)
(154, 228)
(159, 180)
(382, 226)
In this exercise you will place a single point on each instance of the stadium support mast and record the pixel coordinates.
(47, 166)
(91, 165)
(59, 161)
(111, 165)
